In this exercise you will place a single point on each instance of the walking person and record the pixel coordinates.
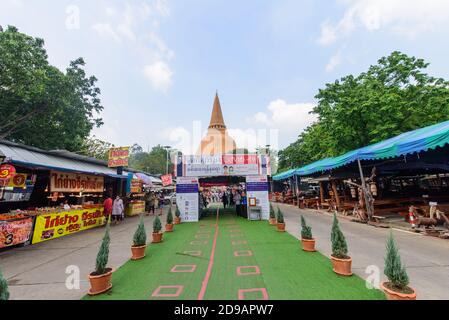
(237, 201)
(152, 204)
(224, 199)
(107, 204)
(118, 210)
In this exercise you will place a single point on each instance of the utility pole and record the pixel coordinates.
(168, 152)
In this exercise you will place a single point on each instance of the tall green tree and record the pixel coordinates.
(154, 162)
(95, 148)
(40, 105)
(394, 96)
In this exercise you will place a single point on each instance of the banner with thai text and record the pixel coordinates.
(74, 182)
(52, 226)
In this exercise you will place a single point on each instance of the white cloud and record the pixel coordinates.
(285, 121)
(136, 24)
(286, 116)
(407, 18)
(106, 30)
(334, 62)
(160, 75)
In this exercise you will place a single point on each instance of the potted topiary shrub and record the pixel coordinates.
(273, 221)
(100, 279)
(169, 225)
(280, 221)
(177, 216)
(139, 241)
(308, 242)
(342, 263)
(397, 288)
(4, 292)
(157, 227)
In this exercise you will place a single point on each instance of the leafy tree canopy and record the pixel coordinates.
(154, 162)
(40, 105)
(394, 96)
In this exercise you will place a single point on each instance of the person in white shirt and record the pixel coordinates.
(117, 210)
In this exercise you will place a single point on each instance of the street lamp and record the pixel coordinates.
(167, 148)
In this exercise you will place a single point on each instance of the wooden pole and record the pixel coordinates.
(322, 192)
(365, 192)
(335, 191)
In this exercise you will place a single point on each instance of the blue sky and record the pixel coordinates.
(160, 62)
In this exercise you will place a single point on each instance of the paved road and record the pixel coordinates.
(426, 258)
(38, 272)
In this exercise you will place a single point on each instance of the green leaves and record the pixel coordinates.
(339, 245)
(391, 97)
(306, 231)
(103, 253)
(169, 216)
(280, 216)
(140, 236)
(177, 212)
(4, 292)
(272, 213)
(394, 269)
(44, 107)
(157, 226)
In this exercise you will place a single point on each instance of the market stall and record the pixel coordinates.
(136, 199)
(50, 194)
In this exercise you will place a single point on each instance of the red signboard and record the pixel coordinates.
(7, 171)
(167, 180)
(15, 232)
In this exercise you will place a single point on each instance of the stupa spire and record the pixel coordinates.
(217, 120)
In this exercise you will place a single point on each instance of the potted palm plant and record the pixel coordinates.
(177, 216)
(280, 221)
(139, 241)
(4, 292)
(100, 279)
(341, 262)
(308, 242)
(157, 227)
(273, 221)
(397, 288)
(169, 225)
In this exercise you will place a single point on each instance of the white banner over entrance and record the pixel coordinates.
(222, 165)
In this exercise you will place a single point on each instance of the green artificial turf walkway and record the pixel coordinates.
(280, 268)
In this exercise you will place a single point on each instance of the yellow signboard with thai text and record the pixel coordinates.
(52, 226)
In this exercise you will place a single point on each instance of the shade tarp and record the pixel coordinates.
(423, 139)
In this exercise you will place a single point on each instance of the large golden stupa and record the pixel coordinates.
(217, 141)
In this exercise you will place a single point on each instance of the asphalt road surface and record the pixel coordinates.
(426, 258)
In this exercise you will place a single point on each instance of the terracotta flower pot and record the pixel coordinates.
(281, 227)
(342, 267)
(138, 252)
(308, 245)
(177, 220)
(393, 295)
(273, 221)
(169, 227)
(100, 283)
(157, 237)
